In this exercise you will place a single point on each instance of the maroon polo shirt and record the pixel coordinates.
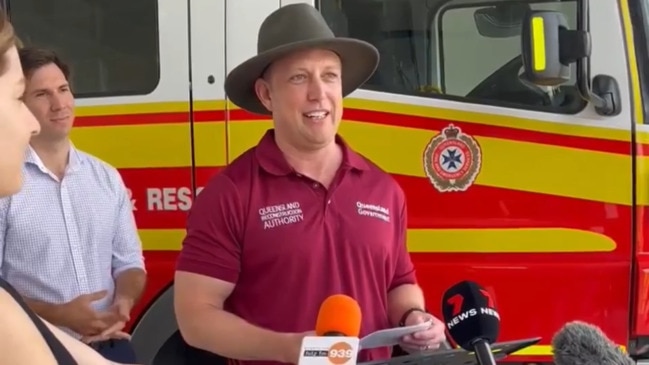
(288, 243)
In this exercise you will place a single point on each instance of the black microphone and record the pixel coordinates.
(580, 343)
(472, 319)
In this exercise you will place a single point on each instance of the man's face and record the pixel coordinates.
(48, 97)
(304, 93)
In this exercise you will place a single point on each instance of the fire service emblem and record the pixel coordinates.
(452, 160)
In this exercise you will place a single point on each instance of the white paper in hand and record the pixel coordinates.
(390, 336)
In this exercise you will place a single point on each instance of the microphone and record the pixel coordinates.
(339, 315)
(337, 329)
(580, 343)
(471, 319)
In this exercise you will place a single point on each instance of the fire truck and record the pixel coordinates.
(517, 129)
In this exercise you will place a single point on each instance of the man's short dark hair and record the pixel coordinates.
(33, 58)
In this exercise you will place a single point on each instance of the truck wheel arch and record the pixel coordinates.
(154, 327)
(157, 340)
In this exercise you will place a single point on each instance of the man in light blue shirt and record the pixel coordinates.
(68, 240)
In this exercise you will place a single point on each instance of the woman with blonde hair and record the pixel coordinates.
(25, 338)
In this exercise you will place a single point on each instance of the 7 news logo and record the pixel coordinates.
(459, 315)
(457, 300)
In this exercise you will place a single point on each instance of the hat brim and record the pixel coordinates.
(359, 61)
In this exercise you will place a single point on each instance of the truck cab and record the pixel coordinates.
(517, 129)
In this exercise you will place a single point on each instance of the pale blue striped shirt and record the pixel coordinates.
(59, 240)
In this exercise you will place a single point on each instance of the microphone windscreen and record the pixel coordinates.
(339, 314)
(579, 343)
(470, 314)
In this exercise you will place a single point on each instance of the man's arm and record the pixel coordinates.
(130, 284)
(403, 298)
(198, 302)
(207, 271)
(128, 261)
(404, 293)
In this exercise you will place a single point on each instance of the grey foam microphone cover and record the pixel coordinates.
(580, 343)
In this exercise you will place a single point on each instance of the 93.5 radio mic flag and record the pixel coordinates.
(337, 329)
(471, 319)
(580, 343)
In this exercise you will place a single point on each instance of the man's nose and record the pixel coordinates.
(316, 89)
(56, 102)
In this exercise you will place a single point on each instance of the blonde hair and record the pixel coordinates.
(7, 39)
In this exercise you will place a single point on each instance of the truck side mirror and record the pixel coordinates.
(541, 48)
(548, 50)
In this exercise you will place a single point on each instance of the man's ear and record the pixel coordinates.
(262, 89)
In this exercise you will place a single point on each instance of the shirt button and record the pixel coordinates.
(328, 201)
(315, 185)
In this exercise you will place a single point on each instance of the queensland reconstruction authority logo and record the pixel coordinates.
(452, 160)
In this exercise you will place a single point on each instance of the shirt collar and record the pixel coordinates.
(32, 158)
(272, 159)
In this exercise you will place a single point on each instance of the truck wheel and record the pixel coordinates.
(157, 340)
(177, 352)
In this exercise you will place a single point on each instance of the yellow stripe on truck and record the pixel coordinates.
(534, 167)
(154, 145)
(632, 62)
(518, 240)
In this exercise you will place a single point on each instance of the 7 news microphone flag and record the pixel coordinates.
(473, 322)
(472, 319)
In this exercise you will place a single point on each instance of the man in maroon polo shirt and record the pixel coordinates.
(299, 217)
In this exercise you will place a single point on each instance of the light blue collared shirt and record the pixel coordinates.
(61, 239)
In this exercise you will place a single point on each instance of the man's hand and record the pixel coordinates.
(83, 319)
(293, 345)
(113, 332)
(430, 338)
(121, 309)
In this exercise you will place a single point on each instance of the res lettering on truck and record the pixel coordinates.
(165, 199)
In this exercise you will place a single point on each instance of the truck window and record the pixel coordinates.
(433, 48)
(111, 46)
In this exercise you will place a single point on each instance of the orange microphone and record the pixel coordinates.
(339, 315)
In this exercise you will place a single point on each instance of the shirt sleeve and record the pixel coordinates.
(212, 245)
(404, 272)
(127, 246)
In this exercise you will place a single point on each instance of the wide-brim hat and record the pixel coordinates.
(292, 28)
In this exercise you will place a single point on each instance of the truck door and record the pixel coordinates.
(207, 57)
(130, 76)
(201, 25)
(244, 129)
(523, 188)
(637, 24)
